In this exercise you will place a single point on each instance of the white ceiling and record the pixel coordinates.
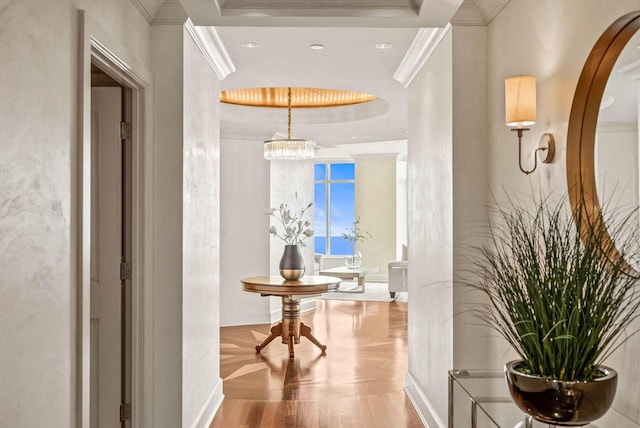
(349, 31)
(349, 60)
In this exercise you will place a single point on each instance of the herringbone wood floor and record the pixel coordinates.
(358, 383)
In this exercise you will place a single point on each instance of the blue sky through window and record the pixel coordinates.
(341, 207)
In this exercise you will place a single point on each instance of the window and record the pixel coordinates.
(334, 201)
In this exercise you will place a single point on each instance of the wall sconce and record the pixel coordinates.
(520, 106)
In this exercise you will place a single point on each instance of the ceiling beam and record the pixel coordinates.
(430, 13)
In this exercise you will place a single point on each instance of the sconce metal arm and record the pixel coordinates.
(550, 148)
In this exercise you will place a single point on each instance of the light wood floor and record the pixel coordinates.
(358, 383)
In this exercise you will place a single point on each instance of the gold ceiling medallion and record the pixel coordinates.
(300, 97)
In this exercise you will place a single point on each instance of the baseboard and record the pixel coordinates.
(210, 407)
(247, 319)
(377, 277)
(306, 305)
(427, 413)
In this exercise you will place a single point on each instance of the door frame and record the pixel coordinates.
(97, 46)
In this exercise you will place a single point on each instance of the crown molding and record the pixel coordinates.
(143, 10)
(478, 12)
(499, 5)
(421, 48)
(170, 13)
(212, 48)
(468, 15)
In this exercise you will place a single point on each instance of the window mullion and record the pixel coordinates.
(328, 207)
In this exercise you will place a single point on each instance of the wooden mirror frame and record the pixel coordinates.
(583, 122)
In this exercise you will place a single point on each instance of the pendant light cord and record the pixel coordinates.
(289, 114)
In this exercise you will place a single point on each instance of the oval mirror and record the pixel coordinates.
(602, 139)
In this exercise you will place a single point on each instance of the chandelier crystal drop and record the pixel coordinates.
(289, 148)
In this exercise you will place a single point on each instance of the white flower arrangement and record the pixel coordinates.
(295, 229)
(355, 234)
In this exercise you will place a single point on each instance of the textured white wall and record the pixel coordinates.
(375, 204)
(166, 55)
(616, 163)
(401, 207)
(430, 249)
(245, 241)
(38, 167)
(470, 186)
(292, 183)
(201, 383)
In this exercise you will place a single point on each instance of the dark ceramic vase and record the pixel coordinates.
(291, 263)
(562, 403)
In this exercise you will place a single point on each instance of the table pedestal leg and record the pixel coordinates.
(276, 331)
(306, 332)
(290, 328)
(290, 322)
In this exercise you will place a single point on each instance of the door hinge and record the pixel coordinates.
(125, 412)
(125, 130)
(125, 271)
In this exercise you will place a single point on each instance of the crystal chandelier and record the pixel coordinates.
(289, 148)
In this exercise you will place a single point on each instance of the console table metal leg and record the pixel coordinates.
(474, 413)
(450, 422)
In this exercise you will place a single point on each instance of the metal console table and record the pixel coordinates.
(491, 405)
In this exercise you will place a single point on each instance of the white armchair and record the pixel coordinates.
(397, 277)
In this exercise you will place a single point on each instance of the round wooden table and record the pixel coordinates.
(291, 327)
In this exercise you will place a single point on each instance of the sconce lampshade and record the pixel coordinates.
(520, 100)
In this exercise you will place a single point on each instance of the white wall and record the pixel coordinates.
(187, 384)
(401, 206)
(38, 171)
(166, 52)
(245, 241)
(201, 383)
(375, 204)
(430, 248)
(292, 183)
(470, 186)
(616, 164)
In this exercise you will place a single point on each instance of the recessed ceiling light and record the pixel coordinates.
(316, 46)
(250, 45)
(384, 46)
(354, 138)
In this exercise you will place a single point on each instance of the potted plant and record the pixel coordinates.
(295, 231)
(562, 302)
(352, 235)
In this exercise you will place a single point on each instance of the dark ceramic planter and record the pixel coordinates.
(563, 403)
(292, 263)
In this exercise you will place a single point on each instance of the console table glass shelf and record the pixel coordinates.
(481, 399)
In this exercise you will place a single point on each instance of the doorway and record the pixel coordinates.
(110, 253)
